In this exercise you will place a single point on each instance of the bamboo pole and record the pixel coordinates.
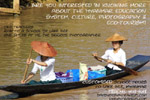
(27, 66)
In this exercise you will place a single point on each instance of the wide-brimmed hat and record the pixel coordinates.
(116, 37)
(43, 48)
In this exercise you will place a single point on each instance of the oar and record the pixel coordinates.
(27, 66)
(127, 69)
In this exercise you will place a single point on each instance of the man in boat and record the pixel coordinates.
(114, 56)
(44, 62)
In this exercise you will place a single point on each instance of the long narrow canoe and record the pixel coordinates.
(134, 63)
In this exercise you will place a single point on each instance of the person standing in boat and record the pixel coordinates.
(115, 55)
(44, 62)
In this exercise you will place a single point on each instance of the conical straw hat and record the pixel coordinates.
(116, 37)
(43, 48)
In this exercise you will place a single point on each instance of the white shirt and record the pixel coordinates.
(120, 56)
(46, 72)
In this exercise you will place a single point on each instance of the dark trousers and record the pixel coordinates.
(110, 71)
(33, 82)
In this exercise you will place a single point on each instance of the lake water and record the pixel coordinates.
(71, 50)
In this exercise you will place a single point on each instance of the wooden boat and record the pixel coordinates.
(134, 63)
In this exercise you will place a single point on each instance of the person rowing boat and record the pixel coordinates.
(44, 62)
(114, 56)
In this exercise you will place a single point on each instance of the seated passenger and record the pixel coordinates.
(115, 55)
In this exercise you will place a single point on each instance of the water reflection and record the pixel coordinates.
(16, 40)
(84, 95)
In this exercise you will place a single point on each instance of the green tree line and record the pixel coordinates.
(9, 3)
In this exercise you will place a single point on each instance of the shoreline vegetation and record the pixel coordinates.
(23, 3)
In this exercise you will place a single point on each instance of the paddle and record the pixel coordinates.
(27, 66)
(127, 69)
